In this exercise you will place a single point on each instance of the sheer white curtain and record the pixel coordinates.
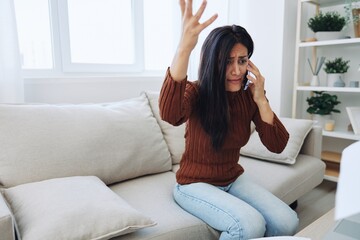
(11, 81)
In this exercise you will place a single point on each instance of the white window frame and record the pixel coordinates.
(62, 66)
(68, 66)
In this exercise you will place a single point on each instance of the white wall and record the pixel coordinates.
(272, 26)
(86, 90)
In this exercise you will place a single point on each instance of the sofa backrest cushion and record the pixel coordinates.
(113, 141)
(298, 129)
(174, 135)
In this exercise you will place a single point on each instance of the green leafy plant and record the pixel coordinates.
(322, 103)
(327, 22)
(338, 65)
(349, 6)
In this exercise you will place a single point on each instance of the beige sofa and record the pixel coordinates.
(101, 171)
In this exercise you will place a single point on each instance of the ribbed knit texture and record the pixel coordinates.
(200, 161)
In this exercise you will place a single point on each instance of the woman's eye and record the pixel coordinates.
(242, 61)
(229, 62)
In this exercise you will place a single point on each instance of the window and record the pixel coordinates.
(59, 37)
(62, 37)
(33, 24)
(101, 32)
(160, 25)
(100, 35)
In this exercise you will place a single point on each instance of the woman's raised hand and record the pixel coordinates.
(191, 27)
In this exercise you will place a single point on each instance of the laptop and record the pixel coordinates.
(345, 229)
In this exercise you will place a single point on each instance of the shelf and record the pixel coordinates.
(324, 2)
(347, 47)
(330, 42)
(329, 156)
(332, 161)
(341, 134)
(329, 89)
(332, 171)
(331, 175)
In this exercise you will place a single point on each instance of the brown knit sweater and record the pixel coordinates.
(200, 162)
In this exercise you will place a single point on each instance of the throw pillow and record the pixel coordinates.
(113, 141)
(174, 135)
(298, 130)
(80, 207)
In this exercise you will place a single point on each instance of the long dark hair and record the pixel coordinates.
(213, 105)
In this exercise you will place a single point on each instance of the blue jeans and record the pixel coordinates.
(241, 210)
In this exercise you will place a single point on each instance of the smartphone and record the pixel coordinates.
(247, 81)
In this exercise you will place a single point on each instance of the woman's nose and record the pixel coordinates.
(236, 69)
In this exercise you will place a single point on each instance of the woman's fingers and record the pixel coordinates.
(188, 8)
(252, 65)
(209, 21)
(257, 82)
(201, 10)
(182, 7)
(191, 27)
(252, 68)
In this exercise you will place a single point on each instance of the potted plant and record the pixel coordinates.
(352, 14)
(335, 70)
(327, 25)
(321, 105)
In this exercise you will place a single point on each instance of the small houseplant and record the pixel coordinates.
(338, 65)
(321, 105)
(335, 70)
(352, 14)
(327, 25)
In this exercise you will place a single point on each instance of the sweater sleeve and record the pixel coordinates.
(273, 136)
(175, 100)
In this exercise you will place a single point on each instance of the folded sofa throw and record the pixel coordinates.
(298, 130)
(72, 208)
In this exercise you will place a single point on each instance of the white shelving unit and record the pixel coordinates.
(349, 49)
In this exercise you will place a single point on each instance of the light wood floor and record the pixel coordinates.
(316, 203)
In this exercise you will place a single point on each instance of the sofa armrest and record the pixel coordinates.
(6, 221)
(313, 143)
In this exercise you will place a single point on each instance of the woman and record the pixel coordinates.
(218, 111)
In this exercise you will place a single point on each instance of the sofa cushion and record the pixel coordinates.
(174, 135)
(287, 182)
(155, 199)
(6, 221)
(298, 130)
(113, 141)
(72, 208)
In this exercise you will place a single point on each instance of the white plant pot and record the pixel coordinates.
(320, 120)
(322, 36)
(335, 80)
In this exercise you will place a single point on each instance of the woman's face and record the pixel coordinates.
(236, 67)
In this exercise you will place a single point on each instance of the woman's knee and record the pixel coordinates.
(253, 226)
(232, 217)
(284, 226)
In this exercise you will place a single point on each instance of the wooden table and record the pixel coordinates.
(318, 229)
